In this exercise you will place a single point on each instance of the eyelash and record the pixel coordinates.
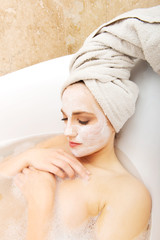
(81, 122)
(64, 119)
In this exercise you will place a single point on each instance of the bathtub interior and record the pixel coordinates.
(30, 110)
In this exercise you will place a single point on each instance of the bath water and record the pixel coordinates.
(13, 207)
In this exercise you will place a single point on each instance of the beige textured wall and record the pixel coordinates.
(33, 31)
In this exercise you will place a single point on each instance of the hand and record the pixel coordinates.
(55, 161)
(38, 187)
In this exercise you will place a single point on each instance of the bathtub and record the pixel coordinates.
(30, 109)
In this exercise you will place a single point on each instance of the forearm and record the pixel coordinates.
(12, 165)
(39, 224)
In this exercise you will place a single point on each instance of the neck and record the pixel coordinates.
(104, 158)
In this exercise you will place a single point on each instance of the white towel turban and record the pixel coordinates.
(109, 54)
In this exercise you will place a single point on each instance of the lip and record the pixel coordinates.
(74, 144)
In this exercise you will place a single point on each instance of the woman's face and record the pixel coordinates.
(86, 126)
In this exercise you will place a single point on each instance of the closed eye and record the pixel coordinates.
(83, 122)
(64, 119)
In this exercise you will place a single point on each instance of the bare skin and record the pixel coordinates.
(122, 201)
(40, 202)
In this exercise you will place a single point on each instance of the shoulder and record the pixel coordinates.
(129, 205)
(122, 184)
(123, 189)
(134, 187)
(131, 191)
(132, 200)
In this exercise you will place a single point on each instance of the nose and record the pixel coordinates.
(70, 130)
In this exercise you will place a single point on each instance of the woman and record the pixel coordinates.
(96, 192)
(105, 190)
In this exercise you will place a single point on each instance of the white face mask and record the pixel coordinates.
(94, 134)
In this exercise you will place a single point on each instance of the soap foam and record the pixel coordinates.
(13, 212)
(13, 208)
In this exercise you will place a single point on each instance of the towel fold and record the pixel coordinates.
(109, 54)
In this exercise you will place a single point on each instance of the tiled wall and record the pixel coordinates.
(33, 31)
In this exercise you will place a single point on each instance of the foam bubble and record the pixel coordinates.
(13, 209)
(13, 213)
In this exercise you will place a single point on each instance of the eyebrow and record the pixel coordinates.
(77, 113)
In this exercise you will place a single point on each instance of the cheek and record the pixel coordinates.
(94, 133)
(91, 132)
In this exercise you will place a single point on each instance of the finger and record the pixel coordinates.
(63, 165)
(32, 168)
(50, 168)
(19, 180)
(57, 171)
(25, 171)
(19, 177)
(74, 163)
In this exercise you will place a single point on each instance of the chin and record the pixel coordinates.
(85, 153)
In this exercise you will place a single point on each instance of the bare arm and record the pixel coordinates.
(12, 165)
(38, 223)
(51, 156)
(127, 214)
(39, 190)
